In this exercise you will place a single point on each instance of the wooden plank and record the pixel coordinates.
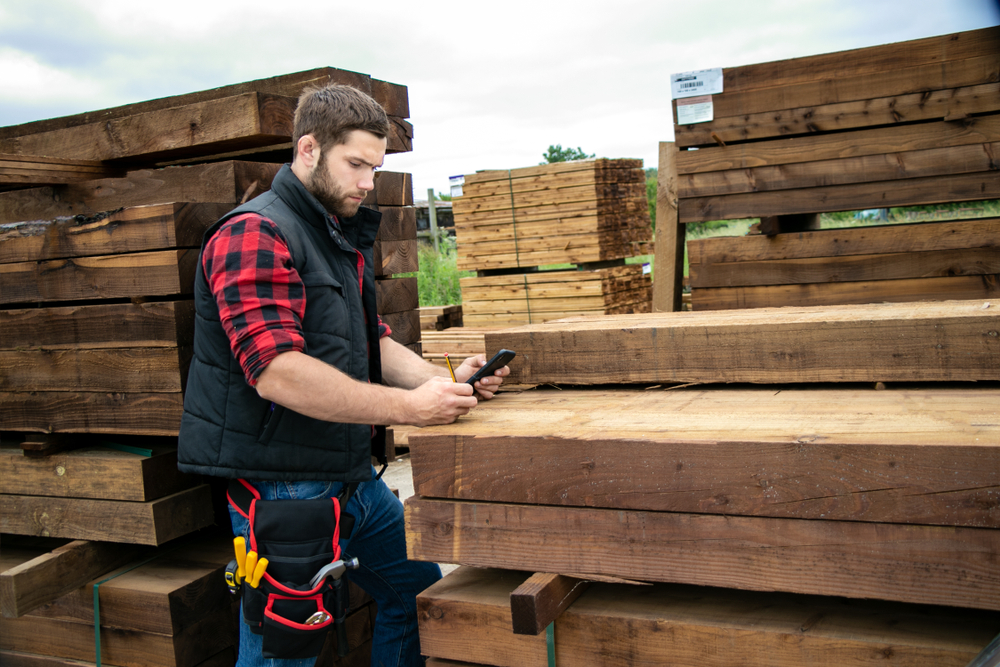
(397, 295)
(224, 658)
(398, 223)
(392, 188)
(881, 194)
(47, 444)
(84, 412)
(40, 580)
(34, 170)
(875, 240)
(150, 324)
(157, 273)
(179, 585)
(393, 257)
(972, 71)
(669, 246)
(541, 599)
(198, 129)
(291, 85)
(905, 563)
(864, 343)
(812, 119)
(138, 369)
(828, 294)
(890, 166)
(918, 456)
(221, 182)
(869, 60)
(405, 326)
(134, 229)
(128, 648)
(862, 268)
(153, 522)
(684, 625)
(821, 147)
(94, 472)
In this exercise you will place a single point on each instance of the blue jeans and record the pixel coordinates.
(379, 543)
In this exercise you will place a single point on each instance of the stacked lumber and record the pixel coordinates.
(957, 259)
(169, 607)
(396, 253)
(576, 212)
(590, 213)
(510, 300)
(437, 318)
(101, 223)
(907, 124)
(854, 512)
(457, 342)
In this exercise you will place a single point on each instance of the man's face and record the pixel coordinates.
(345, 173)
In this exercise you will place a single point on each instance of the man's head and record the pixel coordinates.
(339, 140)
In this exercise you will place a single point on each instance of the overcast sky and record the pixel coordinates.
(491, 84)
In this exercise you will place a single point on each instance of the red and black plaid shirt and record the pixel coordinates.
(260, 295)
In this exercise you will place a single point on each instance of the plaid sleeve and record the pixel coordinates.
(383, 328)
(260, 294)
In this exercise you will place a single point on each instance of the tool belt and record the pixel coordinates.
(298, 538)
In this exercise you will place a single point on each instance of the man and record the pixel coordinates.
(292, 366)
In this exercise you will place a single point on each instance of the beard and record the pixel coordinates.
(334, 198)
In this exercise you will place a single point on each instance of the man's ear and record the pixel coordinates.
(307, 152)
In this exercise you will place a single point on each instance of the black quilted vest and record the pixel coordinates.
(227, 429)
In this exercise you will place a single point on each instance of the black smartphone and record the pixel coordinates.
(498, 361)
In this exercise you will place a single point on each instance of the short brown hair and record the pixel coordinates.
(330, 113)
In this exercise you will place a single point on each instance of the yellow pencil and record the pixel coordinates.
(450, 369)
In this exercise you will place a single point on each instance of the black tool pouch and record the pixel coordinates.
(298, 538)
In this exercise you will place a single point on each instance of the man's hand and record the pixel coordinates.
(439, 401)
(488, 385)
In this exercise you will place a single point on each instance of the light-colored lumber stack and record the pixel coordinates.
(907, 124)
(526, 298)
(437, 318)
(576, 212)
(457, 342)
(100, 231)
(821, 494)
(591, 213)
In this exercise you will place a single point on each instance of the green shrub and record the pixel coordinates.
(437, 279)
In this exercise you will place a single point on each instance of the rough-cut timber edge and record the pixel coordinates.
(229, 182)
(83, 412)
(904, 563)
(41, 580)
(133, 229)
(539, 601)
(464, 618)
(152, 324)
(985, 288)
(224, 658)
(904, 455)
(917, 342)
(669, 246)
(34, 170)
(94, 471)
(392, 97)
(153, 522)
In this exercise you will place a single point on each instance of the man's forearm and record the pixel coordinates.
(403, 368)
(316, 389)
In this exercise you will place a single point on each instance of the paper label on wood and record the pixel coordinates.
(456, 183)
(700, 82)
(695, 110)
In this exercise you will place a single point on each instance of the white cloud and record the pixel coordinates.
(25, 80)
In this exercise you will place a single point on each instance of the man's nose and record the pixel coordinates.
(367, 182)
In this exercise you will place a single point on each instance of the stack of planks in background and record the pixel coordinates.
(100, 228)
(590, 213)
(438, 318)
(907, 124)
(843, 509)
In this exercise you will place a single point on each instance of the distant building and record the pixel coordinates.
(445, 219)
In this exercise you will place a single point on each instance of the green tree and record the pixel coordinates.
(559, 154)
(651, 194)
